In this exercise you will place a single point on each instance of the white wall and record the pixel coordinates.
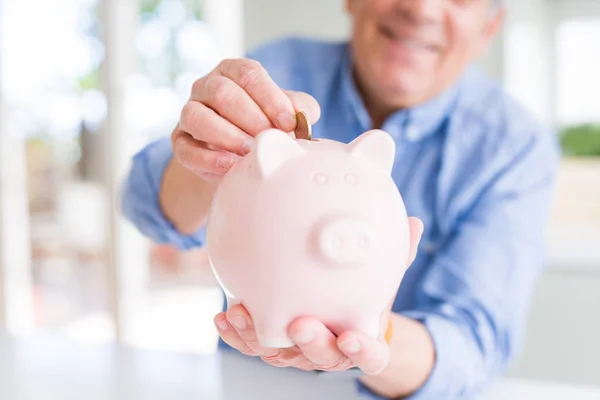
(268, 19)
(528, 56)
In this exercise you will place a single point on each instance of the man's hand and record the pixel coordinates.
(227, 109)
(316, 347)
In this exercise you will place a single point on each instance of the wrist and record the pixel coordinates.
(185, 197)
(411, 361)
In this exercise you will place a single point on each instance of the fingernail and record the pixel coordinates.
(240, 322)
(305, 336)
(224, 161)
(222, 325)
(352, 346)
(247, 146)
(286, 121)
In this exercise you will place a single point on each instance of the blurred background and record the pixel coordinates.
(87, 83)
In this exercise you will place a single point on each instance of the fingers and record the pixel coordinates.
(254, 80)
(317, 347)
(416, 231)
(227, 108)
(232, 103)
(230, 335)
(305, 102)
(211, 178)
(371, 356)
(202, 123)
(318, 344)
(242, 322)
(291, 357)
(198, 157)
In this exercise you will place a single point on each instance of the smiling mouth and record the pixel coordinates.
(405, 40)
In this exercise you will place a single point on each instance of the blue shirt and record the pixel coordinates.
(471, 164)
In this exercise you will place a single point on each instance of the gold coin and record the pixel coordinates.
(303, 128)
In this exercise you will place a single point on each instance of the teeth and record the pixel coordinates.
(415, 44)
(410, 43)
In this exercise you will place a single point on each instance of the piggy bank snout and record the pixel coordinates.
(345, 241)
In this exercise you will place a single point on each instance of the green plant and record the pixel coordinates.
(581, 140)
(90, 81)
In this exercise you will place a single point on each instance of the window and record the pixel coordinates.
(54, 95)
(577, 71)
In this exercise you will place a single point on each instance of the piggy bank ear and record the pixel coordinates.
(273, 148)
(377, 146)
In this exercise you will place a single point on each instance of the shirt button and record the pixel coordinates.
(412, 133)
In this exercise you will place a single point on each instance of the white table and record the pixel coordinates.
(48, 367)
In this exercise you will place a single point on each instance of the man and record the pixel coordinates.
(471, 165)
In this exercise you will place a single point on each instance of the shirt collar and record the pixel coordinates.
(412, 124)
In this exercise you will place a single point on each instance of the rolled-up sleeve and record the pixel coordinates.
(475, 295)
(140, 198)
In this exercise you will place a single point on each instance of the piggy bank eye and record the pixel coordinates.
(320, 179)
(351, 179)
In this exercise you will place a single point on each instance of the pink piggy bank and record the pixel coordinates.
(310, 228)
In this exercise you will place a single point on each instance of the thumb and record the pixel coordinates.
(305, 102)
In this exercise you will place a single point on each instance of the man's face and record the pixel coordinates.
(408, 51)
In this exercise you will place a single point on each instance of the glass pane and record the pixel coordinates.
(577, 214)
(174, 47)
(50, 102)
(578, 58)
